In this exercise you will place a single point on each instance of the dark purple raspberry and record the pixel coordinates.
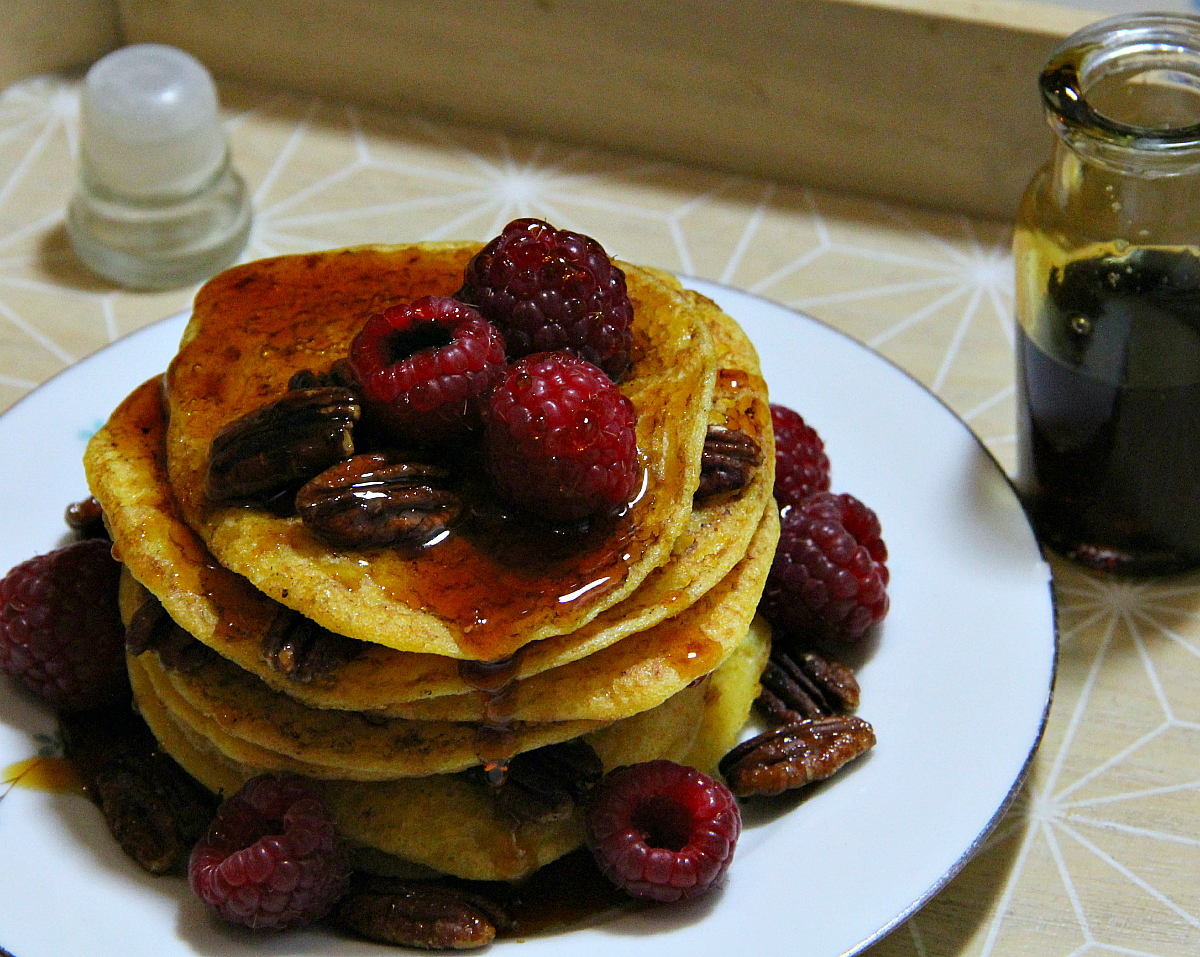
(550, 289)
(426, 368)
(662, 831)
(560, 440)
(829, 577)
(60, 627)
(271, 858)
(801, 465)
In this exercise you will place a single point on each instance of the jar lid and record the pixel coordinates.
(149, 124)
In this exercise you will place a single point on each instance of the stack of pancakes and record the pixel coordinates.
(635, 632)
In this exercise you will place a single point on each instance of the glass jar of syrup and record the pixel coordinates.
(1107, 257)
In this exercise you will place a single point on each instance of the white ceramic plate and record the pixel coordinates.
(957, 688)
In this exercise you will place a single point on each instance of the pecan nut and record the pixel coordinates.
(728, 462)
(546, 784)
(795, 755)
(341, 373)
(377, 500)
(147, 627)
(152, 629)
(431, 916)
(805, 685)
(282, 443)
(153, 808)
(300, 649)
(86, 518)
(181, 652)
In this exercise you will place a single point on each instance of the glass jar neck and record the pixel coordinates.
(1124, 93)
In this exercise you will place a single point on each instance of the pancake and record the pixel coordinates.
(244, 717)
(125, 467)
(450, 822)
(638, 671)
(252, 724)
(635, 632)
(253, 326)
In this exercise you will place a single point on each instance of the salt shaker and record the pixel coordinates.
(1107, 258)
(158, 204)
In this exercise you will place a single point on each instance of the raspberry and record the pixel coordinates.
(426, 368)
(271, 858)
(560, 439)
(829, 575)
(801, 465)
(60, 627)
(550, 289)
(661, 830)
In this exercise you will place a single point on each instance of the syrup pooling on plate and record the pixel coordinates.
(54, 775)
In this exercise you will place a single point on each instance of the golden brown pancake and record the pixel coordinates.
(254, 326)
(640, 670)
(635, 632)
(450, 822)
(244, 717)
(125, 468)
(250, 723)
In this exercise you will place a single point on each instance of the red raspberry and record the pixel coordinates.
(550, 289)
(801, 465)
(271, 858)
(426, 368)
(829, 572)
(560, 439)
(661, 830)
(60, 627)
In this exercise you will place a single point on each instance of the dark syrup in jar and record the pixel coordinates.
(1108, 399)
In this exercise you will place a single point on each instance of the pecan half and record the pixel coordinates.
(86, 518)
(379, 499)
(805, 685)
(431, 916)
(728, 463)
(282, 443)
(300, 649)
(152, 807)
(152, 629)
(546, 784)
(183, 653)
(341, 373)
(795, 754)
(147, 628)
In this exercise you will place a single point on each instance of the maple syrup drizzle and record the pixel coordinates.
(495, 738)
(743, 411)
(499, 575)
(294, 313)
(90, 738)
(567, 893)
